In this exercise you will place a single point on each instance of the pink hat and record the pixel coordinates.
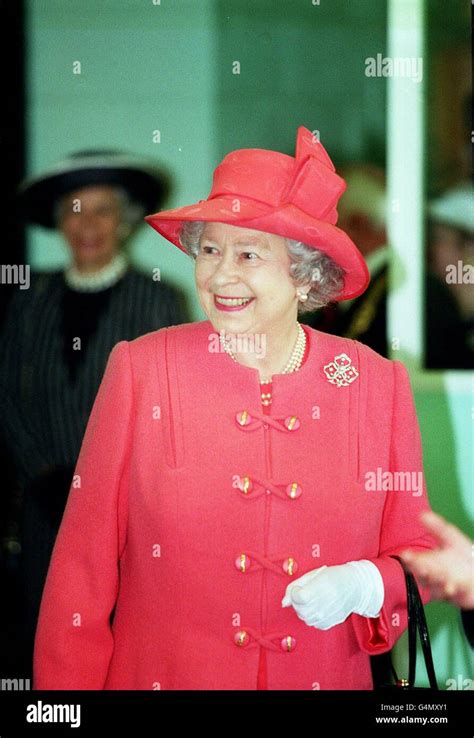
(276, 193)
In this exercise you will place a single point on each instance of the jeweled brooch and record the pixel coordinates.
(340, 371)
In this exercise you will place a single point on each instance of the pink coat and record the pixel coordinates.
(160, 514)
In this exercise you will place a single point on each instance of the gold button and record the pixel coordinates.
(290, 566)
(292, 422)
(288, 643)
(245, 485)
(243, 418)
(241, 638)
(294, 490)
(242, 562)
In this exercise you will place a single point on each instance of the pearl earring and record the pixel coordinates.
(302, 296)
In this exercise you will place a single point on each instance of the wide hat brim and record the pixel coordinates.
(145, 183)
(287, 220)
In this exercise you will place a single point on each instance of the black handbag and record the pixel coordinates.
(416, 624)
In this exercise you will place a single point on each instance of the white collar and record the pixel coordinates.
(97, 281)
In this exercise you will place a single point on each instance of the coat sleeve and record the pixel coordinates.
(74, 639)
(401, 527)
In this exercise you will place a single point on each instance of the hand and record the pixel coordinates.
(326, 596)
(448, 570)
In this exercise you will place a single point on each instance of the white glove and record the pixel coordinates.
(326, 596)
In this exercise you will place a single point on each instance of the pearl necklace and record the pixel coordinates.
(97, 281)
(292, 365)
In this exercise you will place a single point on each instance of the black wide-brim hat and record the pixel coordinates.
(145, 183)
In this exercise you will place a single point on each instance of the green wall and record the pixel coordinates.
(300, 64)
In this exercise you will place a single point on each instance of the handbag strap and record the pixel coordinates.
(417, 623)
(413, 625)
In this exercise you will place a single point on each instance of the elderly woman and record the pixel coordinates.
(59, 333)
(243, 481)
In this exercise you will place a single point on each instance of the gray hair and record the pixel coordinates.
(132, 211)
(308, 266)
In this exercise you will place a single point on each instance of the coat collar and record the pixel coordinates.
(322, 350)
(186, 366)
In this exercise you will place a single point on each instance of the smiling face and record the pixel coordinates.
(92, 233)
(243, 281)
